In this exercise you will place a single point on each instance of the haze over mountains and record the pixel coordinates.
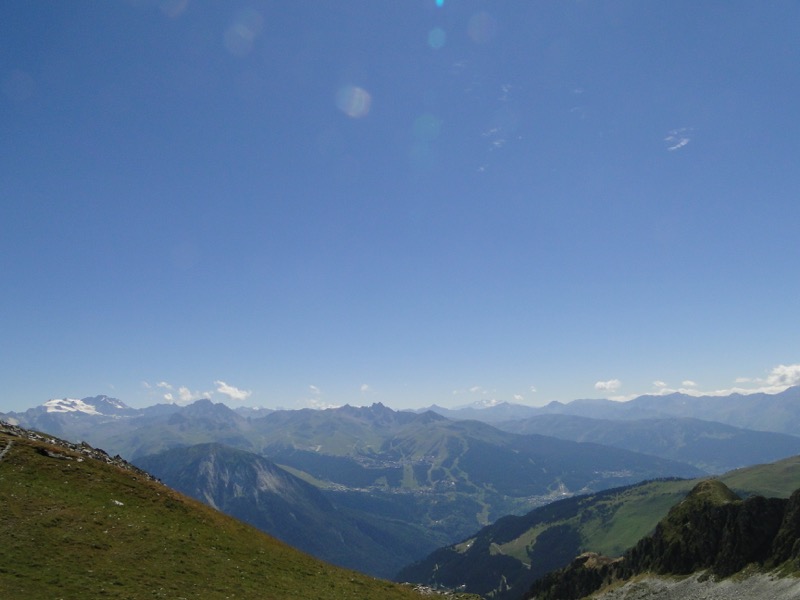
(758, 411)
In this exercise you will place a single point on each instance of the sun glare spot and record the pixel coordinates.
(353, 101)
(436, 38)
(439, 3)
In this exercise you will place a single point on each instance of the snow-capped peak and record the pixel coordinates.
(64, 405)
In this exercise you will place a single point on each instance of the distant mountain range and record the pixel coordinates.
(760, 412)
(712, 447)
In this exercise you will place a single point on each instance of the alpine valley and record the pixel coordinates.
(492, 503)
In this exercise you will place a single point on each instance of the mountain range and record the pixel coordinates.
(757, 411)
(376, 489)
(710, 446)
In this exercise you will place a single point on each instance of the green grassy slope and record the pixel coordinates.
(79, 528)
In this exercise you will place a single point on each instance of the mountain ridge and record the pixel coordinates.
(711, 531)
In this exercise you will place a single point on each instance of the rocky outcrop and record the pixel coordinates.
(712, 531)
(83, 450)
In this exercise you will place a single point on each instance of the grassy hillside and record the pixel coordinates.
(74, 527)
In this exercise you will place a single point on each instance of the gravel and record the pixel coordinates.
(701, 587)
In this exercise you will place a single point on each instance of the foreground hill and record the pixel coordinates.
(77, 524)
(503, 559)
(712, 531)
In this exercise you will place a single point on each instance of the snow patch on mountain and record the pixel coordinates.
(65, 405)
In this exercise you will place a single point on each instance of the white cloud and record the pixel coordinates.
(777, 380)
(784, 375)
(317, 404)
(186, 396)
(518, 398)
(232, 392)
(660, 384)
(533, 389)
(365, 388)
(612, 385)
(181, 395)
(316, 399)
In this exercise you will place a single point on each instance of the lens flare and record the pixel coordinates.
(436, 38)
(353, 101)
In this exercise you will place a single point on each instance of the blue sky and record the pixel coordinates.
(316, 203)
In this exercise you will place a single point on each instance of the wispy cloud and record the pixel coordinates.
(232, 392)
(678, 138)
(316, 399)
(612, 385)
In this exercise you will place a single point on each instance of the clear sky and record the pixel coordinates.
(323, 202)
